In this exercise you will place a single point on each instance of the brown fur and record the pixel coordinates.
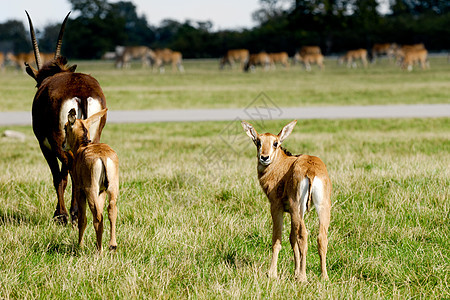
(310, 50)
(387, 49)
(167, 56)
(309, 59)
(281, 58)
(144, 53)
(234, 55)
(282, 177)
(260, 59)
(90, 183)
(415, 56)
(56, 82)
(352, 56)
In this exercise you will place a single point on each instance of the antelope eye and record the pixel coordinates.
(258, 143)
(275, 144)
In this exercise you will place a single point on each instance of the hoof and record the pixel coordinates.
(60, 219)
(113, 248)
(74, 220)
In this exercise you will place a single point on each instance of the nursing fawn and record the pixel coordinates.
(95, 174)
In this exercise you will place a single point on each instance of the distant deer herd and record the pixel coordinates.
(69, 114)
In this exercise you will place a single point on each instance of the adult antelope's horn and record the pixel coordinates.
(60, 36)
(37, 56)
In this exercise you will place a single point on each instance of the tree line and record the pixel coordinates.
(283, 25)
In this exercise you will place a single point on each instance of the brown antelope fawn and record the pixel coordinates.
(292, 182)
(95, 173)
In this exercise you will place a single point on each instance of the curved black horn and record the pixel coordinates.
(60, 36)
(37, 56)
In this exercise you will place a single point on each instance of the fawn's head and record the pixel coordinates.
(77, 130)
(268, 144)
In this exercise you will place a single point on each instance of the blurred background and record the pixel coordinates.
(275, 25)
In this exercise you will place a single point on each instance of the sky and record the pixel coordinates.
(225, 14)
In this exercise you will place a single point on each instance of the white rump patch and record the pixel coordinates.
(304, 191)
(66, 106)
(317, 191)
(93, 107)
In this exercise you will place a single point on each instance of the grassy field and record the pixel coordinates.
(204, 86)
(193, 221)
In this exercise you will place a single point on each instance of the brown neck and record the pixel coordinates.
(269, 176)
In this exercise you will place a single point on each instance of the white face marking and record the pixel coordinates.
(94, 106)
(66, 106)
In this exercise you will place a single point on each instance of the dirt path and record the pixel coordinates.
(258, 112)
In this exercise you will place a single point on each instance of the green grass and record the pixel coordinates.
(194, 223)
(204, 86)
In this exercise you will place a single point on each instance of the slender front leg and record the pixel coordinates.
(277, 219)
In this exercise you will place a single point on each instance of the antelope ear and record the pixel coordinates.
(95, 117)
(72, 116)
(72, 68)
(251, 132)
(31, 71)
(286, 131)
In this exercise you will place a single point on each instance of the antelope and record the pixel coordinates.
(59, 89)
(144, 53)
(414, 56)
(167, 56)
(95, 174)
(310, 50)
(352, 55)
(281, 57)
(387, 49)
(291, 183)
(260, 59)
(305, 50)
(234, 55)
(309, 59)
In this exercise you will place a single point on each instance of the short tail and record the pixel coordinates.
(105, 184)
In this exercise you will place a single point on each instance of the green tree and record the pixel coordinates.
(13, 37)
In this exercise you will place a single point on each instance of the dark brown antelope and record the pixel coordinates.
(59, 89)
(95, 174)
(292, 182)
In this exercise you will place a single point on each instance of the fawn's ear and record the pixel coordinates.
(72, 117)
(95, 117)
(251, 132)
(286, 131)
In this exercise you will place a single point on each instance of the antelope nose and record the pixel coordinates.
(264, 158)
